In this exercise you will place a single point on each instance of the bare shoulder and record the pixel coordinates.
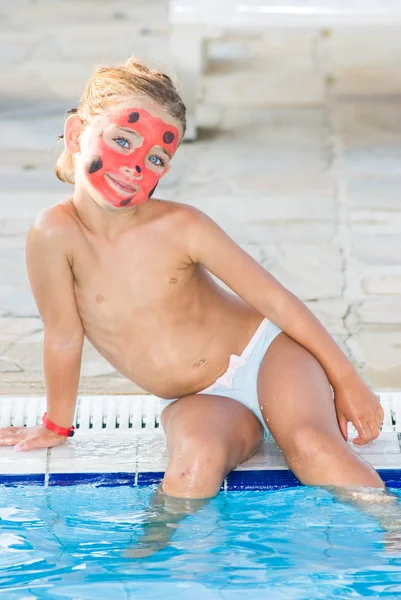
(54, 218)
(184, 214)
(52, 229)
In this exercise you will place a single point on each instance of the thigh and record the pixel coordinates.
(297, 403)
(294, 392)
(206, 422)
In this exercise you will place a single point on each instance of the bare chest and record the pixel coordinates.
(128, 279)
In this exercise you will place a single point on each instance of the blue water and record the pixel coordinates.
(298, 544)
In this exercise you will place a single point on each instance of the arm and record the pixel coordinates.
(211, 247)
(51, 280)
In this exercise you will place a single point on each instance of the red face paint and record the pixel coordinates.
(130, 150)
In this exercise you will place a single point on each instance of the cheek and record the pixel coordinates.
(102, 159)
(95, 164)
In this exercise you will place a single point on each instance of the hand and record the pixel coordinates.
(30, 438)
(356, 403)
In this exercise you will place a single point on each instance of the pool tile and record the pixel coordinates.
(31, 462)
(96, 479)
(383, 461)
(268, 456)
(384, 451)
(149, 477)
(103, 453)
(152, 453)
(260, 479)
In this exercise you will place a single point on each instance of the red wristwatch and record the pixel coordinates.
(65, 431)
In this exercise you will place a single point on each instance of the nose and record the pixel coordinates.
(135, 172)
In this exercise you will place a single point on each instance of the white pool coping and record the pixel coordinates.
(122, 435)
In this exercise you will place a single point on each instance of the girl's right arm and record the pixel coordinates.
(51, 279)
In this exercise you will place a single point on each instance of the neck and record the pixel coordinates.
(104, 221)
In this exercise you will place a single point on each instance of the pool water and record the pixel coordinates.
(76, 542)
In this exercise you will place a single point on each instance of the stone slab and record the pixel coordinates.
(380, 350)
(386, 311)
(383, 285)
(362, 64)
(311, 271)
(375, 249)
(374, 193)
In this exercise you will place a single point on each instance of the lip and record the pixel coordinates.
(120, 186)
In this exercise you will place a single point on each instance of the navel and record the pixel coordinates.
(173, 279)
(200, 363)
(99, 298)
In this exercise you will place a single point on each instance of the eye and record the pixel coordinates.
(122, 142)
(156, 160)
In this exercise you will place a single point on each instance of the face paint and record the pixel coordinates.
(129, 151)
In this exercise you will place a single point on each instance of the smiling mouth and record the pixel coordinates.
(121, 187)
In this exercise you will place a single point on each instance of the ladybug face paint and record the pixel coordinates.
(130, 151)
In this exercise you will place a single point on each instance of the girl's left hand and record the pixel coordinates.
(356, 403)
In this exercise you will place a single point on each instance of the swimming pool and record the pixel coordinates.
(297, 543)
(72, 532)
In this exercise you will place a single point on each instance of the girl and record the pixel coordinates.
(133, 274)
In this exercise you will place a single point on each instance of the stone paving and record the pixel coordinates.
(298, 158)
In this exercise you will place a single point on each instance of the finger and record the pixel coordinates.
(343, 424)
(367, 432)
(38, 441)
(12, 438)
(28, 444)
(380, 415)
(364, 433)
(374, 430)
(7, 431)
(379, 422)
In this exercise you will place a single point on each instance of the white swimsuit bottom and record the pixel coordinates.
(240, 381)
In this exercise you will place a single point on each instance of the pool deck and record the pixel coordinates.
(119, 441)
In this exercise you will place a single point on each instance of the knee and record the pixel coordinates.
(196, 469)
(320, 457)
(312, 445)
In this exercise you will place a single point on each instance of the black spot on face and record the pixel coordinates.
(168, 137)
(95, 165)
(133, 117)
(125, 202)
(138, 169)
(152, 191)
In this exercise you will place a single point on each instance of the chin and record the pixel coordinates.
(116, 206)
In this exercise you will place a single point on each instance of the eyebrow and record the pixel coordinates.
(164, 150)
(139, 135)
(129, 131)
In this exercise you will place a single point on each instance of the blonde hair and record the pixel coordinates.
(109, 85)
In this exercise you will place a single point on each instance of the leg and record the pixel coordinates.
(296, 401)
(207, 437)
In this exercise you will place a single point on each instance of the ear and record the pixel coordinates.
(73, 128)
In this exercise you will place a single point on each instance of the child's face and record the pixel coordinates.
(128, 151)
